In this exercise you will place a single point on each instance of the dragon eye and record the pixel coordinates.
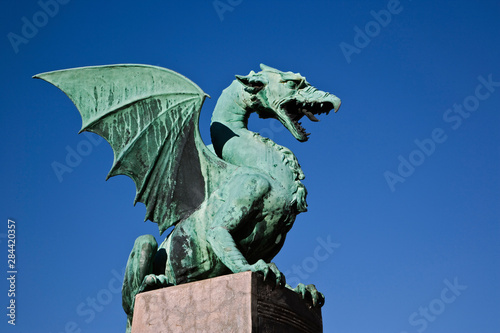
(291, 84)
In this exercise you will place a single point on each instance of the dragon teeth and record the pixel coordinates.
(311, 116)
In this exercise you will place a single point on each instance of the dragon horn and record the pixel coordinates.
(269, 69)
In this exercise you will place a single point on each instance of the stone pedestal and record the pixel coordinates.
(241, 303)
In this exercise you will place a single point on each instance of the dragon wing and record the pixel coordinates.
(149, 115)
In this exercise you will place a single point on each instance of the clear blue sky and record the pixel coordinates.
(403, 181)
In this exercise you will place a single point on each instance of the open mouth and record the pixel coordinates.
(295, 110)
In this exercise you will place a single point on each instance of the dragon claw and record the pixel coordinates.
(309, 291)
(268, 270)
(153, 281)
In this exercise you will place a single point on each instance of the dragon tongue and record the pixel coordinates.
(310, 115)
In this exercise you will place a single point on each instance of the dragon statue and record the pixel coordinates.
(232, 202)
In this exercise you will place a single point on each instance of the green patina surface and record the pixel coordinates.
(233, 202)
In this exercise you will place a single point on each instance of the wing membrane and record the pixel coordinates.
(149, 115)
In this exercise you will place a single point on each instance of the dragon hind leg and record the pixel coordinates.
(244, 200)
(139, 265)
(145, 271)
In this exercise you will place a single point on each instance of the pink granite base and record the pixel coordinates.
(232, 303)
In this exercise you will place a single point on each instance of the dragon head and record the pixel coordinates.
(287, 97)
